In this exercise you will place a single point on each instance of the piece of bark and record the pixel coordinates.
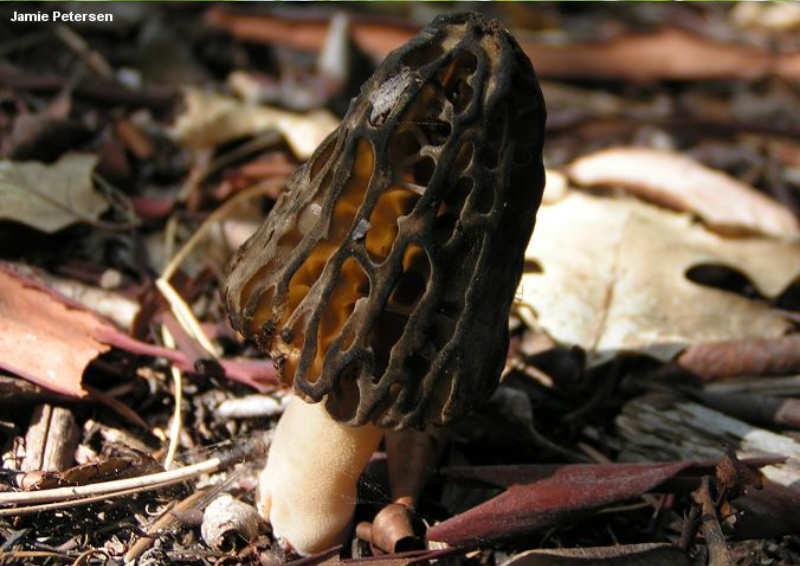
(412, 456)
(113, 468)
(51, 440)
(664, 427)
(757, 385)
(14, 391)
(764, 410)
(718, 360)
(50, 339)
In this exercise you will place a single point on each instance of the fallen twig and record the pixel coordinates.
(97, 89)
(177, 386)
(114, 487)
(94, 60)
(718, 554)
(150, 481)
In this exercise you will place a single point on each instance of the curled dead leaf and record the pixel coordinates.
(680, 182)
(49, 339)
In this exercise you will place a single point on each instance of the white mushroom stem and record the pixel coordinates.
(308, 488)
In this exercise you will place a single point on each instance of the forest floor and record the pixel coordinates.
(650, 405)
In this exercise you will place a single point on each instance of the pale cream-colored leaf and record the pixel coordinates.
(211, 119)
(678, 181)
(614, 278)
(50, 197)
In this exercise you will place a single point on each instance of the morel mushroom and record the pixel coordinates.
(382, 280)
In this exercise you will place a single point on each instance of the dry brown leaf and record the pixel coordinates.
(614, 278)
(50, 197)
(670, 178)
(210, 119)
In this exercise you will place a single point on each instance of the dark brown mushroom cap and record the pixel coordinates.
(382, 279)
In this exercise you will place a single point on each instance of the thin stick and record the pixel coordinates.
(90, 57)
(170, 235)
(119, 199)
(177, 420)
(184, 316)
(70, 503)
(718, 553)
(18, 554)
(158, 479)
(116, 405)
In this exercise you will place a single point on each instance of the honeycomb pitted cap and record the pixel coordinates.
(381, 281)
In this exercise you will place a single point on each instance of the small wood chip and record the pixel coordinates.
(51, 440)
